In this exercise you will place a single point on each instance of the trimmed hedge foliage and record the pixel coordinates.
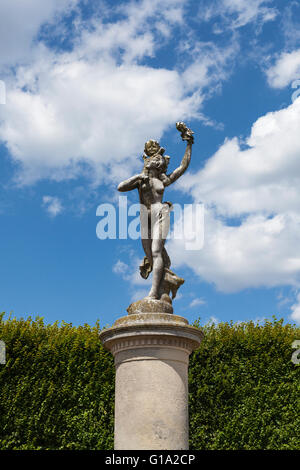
(57, 387)
(244, 388)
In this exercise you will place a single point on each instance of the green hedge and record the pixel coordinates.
(57, 387)
(244, 388)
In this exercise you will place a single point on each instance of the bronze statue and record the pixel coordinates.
(155, 215)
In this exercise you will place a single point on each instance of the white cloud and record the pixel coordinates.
(197, 302)
(259, 252)
(92, 108)
(139, 294)
(210, 64)
(142, 28)
(52, 205)
(250, 11)
(290, 23)
(130, 271)
(138, 287)
(88, 112)
(264, 177)
(285, 70)
(283, 300)
(20, 23)
(295, 309)
(237, 13)
(259, 186)
(120, 267)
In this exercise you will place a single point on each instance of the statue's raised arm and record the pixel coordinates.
(186, 134)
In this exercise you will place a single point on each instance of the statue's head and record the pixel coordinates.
(154, 156)
(152, 147)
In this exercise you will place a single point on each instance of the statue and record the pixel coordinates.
(155, 222)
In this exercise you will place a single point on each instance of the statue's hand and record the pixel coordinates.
(186, 133)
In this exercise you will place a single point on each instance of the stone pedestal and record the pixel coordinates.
(151, 352)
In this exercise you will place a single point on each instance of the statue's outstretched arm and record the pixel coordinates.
(187, 135)
(131, 183)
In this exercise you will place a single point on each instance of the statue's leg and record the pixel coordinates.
(146, 265)
(146, 234)
(147, 242)
(160, 229)
(158, 267)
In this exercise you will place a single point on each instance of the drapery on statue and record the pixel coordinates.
(155, 217)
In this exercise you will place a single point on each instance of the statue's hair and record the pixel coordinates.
(152, 142)
(166, 160)
(160, 152)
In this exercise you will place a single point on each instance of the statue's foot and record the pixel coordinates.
(166, 298)
(152, 296)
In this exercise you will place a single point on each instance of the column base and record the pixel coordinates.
(151, 354)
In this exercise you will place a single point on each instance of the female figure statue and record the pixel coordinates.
(155, 214)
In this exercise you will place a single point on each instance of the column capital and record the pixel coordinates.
(151, 330)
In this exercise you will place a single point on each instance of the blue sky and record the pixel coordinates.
(87, 83)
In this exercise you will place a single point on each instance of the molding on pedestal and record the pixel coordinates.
(151, 330)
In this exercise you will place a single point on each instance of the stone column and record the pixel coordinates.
(151, 352)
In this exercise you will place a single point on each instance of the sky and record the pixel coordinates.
(83, 85)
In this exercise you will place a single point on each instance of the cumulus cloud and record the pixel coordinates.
(237, 13)
(260, 252)
(290, 24)
(52, 205)
(92, 107)
(263, 177)
(139, 294)
(87, 112)
(130, 272)
(20, 23)
(209, 65)
(120, 267)
(196, 302)
(285, 70)
(252, 218)
(295, 310)
(142, 28)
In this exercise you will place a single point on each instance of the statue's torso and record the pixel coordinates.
(151, 192)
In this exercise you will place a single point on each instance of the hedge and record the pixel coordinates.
(244, 388)
(57, 387)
